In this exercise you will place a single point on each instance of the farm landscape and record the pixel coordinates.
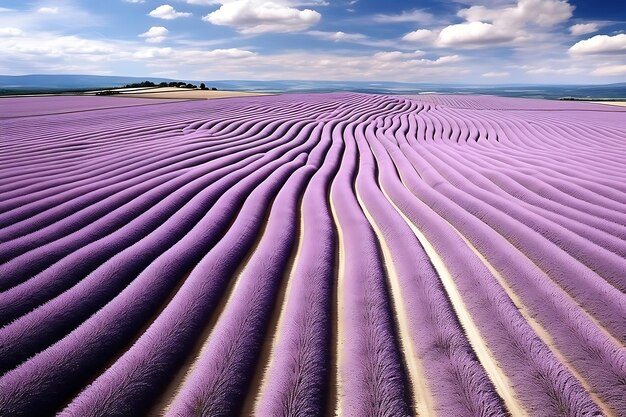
(313, 208)
(312, 254)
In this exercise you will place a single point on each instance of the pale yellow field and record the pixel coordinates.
(184, 93)
(611, 103)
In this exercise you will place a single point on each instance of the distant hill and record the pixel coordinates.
(39, 82)
(56, 83)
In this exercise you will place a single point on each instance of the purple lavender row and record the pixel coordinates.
(517, 349)
(608, 366)
(600, 298)
(75, 221)
(152, 130)
(603, 262)
(218, 382)
(371, 379)
(599, 231)
(297, 380)
(64, 312)
(68, 364)
(155, 355)
(602, 363)
(90, 192)
(452, 374)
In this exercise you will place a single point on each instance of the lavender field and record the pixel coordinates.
(312, 255)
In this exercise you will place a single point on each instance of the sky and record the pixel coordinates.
(432, 41)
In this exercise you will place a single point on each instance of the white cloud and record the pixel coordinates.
(338, 36)
(202, 2)
(36, 50)
(170, 56)
(554, 71)
(545, 13)
(521, 23)
(293, 3)
(409, 59)
(155, 34)
(447, 59)
(610, 70)
(310, 3)
(151, 53)
(419, 35)
(167, 12)
(495, 74)
(62, 15)
(583, 28)
(600, 44)
(48, 10)
(418, 16)
(259, 16)
(393, 65)
(235, 53)
(356, 38)
(397, 55)
(9, 31)
(537, 40)
(135, 1)
(42, 46)
(473, 33)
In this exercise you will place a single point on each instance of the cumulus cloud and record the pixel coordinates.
(259, 16)
(600, 44)
(545, 13)
(473, 33)
(489, 25)
(610, 70)
(167, 12)
(419, 35)
(155, 34)
(583, 28)
(39, 51)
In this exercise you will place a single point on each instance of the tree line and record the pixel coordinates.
(180, 84)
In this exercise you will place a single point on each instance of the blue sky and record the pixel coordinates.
(467, 41)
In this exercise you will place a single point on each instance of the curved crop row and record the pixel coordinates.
(312, 255)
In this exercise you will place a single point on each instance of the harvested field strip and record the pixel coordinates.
(312, 255)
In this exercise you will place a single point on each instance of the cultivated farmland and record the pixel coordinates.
(312, 255)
